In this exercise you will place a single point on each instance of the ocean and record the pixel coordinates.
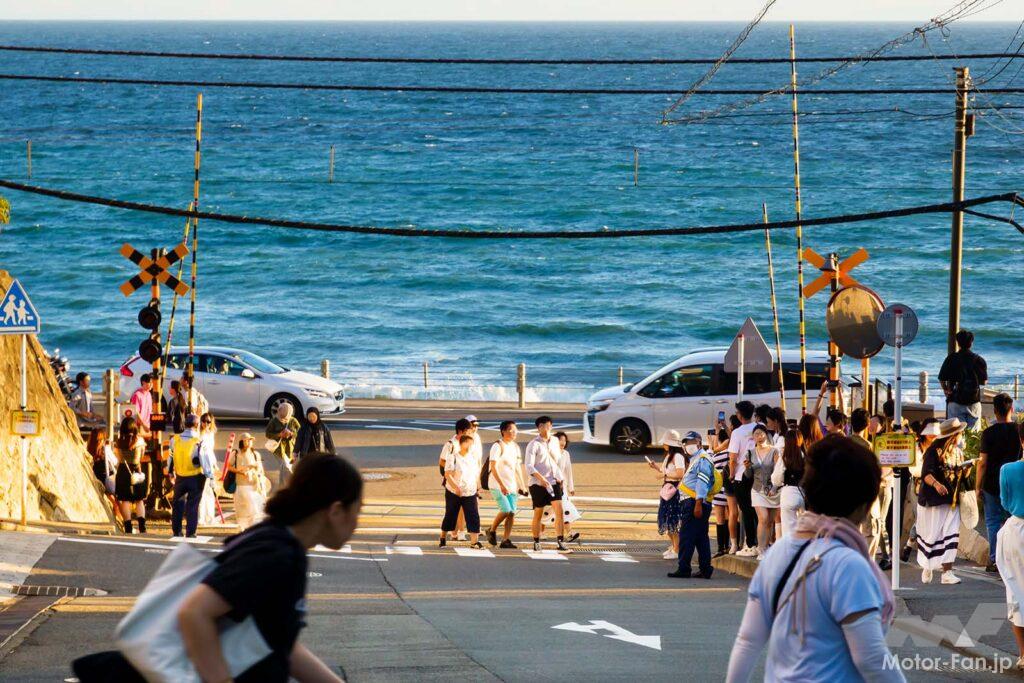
(572, 311)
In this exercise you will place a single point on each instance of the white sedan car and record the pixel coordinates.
(240, 383)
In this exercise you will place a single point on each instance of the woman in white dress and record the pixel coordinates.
(938, 520)
(250, 483)
(208, 503)
(760, 462)
(789, 470)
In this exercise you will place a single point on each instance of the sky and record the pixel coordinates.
(492, 10)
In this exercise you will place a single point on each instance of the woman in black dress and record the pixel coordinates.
(130, 479)
(314, 436)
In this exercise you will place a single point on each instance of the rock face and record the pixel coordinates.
(61, 486)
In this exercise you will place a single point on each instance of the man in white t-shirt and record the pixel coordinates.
(546, 480)
(505, 480)
(462, 480)
(740, 441)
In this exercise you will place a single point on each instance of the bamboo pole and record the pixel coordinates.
(775, 310)
(174, 301)
(636, 167)
(799, 227)
(28, 155)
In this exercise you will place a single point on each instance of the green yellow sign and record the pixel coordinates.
(895, 449)
(25, 423)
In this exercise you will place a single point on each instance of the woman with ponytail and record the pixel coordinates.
(262, 574)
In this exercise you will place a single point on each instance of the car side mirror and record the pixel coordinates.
(248, 374)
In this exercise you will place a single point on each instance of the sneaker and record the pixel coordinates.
(461, 536)
(749, 551)
(885, 564)
(477, 546)
(759, 556)
(507, 544)
(573, 537)
(443, 542)
(991, 568)
(536, 546)
(949, 578)
(732, 548)
(905, 553)
(721, 552)
(670, 554)
(492, 537)
(678, 575)
(702, 575)
(926, 576)
(562, 548)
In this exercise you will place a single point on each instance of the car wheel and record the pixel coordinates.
(631, 436)
(277, 400)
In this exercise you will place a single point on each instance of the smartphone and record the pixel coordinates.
(721, 415)
(711, 432)
(648, 460)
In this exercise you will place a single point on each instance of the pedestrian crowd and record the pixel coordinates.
(181, 471)
(543, 474)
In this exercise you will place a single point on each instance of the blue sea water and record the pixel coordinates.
(573, 309)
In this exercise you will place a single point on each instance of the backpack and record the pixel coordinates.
(716, 484)
(485, 469)
(968, 389)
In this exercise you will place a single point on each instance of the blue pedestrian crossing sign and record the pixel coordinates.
(17, 314)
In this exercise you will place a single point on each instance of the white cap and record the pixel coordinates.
(471, 418)
(672, 438)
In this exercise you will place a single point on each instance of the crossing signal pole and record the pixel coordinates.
(964, 128)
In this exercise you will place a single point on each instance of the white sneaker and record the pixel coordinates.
(759, 556)
(461, 536)
(749, 551)
(732, 547)
(670, 554)
(949, 578)
(926, 576)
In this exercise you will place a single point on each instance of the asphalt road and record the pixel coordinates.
(427, 614)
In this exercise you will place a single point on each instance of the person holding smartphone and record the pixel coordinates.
(671, 469)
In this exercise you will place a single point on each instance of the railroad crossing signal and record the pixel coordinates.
(845, 266)
(150, 269)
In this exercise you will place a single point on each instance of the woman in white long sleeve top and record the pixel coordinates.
(564, 461)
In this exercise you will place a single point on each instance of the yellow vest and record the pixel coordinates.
(182, 452)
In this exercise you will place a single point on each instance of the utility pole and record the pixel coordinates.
(963, 129)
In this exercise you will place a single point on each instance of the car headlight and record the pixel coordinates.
(316, 393)
(598, 406)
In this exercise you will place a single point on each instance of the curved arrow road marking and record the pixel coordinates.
(615, 633)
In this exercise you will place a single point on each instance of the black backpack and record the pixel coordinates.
(485, 470)
(968, 389)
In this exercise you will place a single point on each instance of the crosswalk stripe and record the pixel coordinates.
(324, 549)
(473, 552)
(545, 555)
(617, 557)
(196, 539)
(403, 550)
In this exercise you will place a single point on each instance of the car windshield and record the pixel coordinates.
(257, 363)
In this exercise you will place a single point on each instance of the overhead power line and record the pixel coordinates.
(472, 89)
(499, 61)
(519, 234)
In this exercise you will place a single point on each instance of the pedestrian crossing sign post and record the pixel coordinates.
(19, 316)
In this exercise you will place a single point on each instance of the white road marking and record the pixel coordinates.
(403, 550)
(615, 633)
(545, 555)
(623, 501)
(473, 552)
(411, 429)
(617, 557)
(197, 539)
(346, 557)
(128, 544)
(324, 549)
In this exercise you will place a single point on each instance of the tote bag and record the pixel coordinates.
(149, 638)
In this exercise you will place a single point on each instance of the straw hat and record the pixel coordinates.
(951, 427)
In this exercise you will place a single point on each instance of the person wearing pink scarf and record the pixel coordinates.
(817, 601)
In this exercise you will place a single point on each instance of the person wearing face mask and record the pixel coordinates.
(696, 492)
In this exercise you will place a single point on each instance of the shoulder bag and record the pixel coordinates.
(149, 637)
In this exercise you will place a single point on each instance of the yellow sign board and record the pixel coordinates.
(895, 449)
(25, 423)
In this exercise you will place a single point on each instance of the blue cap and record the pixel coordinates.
(692, 436)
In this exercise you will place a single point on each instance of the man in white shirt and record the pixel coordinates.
(505, 480)
(545, 479)
(448, 451)
(740, 441)
(462, 479)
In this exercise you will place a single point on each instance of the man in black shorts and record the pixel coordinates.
(545, 480)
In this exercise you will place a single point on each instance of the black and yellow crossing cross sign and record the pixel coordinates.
(150, 269)
(845, 266)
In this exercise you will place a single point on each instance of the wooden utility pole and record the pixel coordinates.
(963, 129)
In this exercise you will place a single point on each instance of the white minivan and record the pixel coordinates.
(689, 394)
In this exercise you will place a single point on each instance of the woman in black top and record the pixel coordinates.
(314, 436)
(262, 574)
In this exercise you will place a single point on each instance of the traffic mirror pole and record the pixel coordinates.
(24, 441)
(897, 503)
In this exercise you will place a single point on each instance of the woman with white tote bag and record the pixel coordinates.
(237, 616)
